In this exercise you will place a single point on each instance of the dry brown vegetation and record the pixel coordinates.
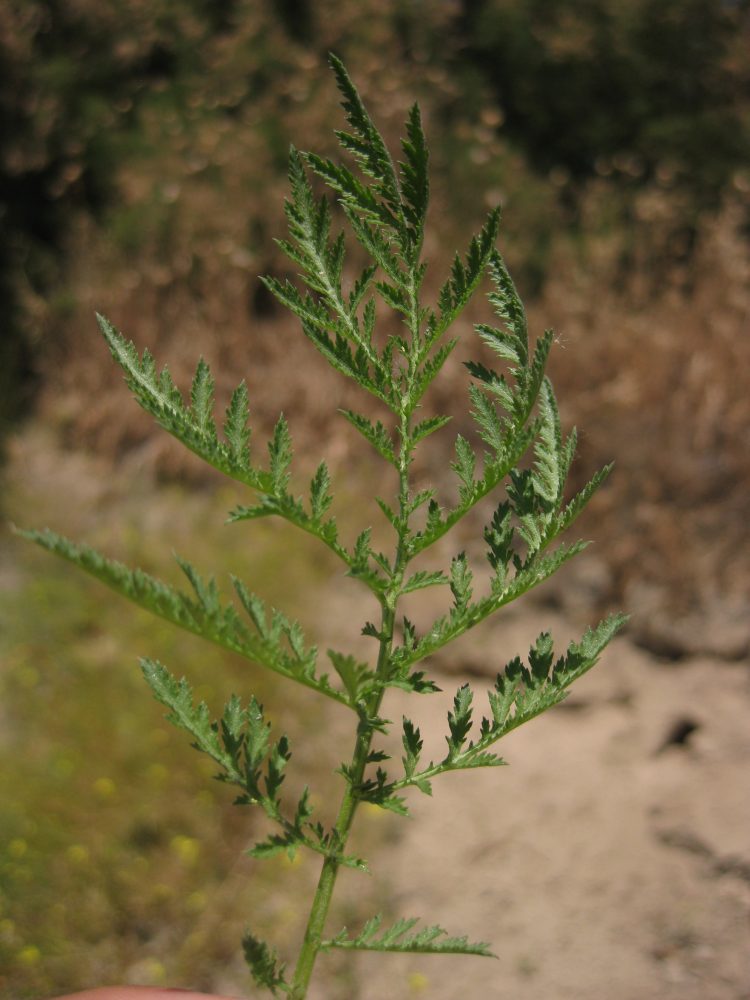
(642, 272)
(652, 366)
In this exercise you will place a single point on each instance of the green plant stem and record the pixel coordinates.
(349, 803)
(327, 880)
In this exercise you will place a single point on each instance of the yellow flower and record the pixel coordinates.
(418, 982)
(17, 848)
(77, 853)
(104, 788)
(29, 955)
(187, 849)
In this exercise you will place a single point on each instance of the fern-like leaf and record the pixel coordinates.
(422, 579)
(366, 143)
(465, 276)
(464, 466)
(415, 181)
(203, 614)
(320, 497)
(266, 968)
(427, 941)
(194, 719)
(376, 434)
(193, 426)
(459, 720)
(280, 453)
(202, 399)
(521, 693)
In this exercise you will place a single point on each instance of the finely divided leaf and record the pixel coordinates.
(360, 286)
(464, 278)
(380, 792)
(280, 453)
(426, 427)
(233, 721)
(571, 511)
(395, 297)
(241, 745)
(320, 497)
(375, 433)
(460, 581)
(551, 459)
(540, 656)
(204, 614)
(264, 965)
(236, 430)
(415, 181)
(430, 370)
(509, 307)
(422, 579)
(366, 143)
(412, 741)
(521, 693)
(499, 536)
(202, 399)
(492, 429)
(459, 720)
(356, 676)
(194, 719)
(464, 465)
(193, 426)
(429, 940)
(258, 734)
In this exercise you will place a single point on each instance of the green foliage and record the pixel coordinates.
(429, 940)
(278, 645)
(264, 965)
(520, 694)
(516, 415)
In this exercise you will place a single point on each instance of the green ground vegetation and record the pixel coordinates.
(115, 851)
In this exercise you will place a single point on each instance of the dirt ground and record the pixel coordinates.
(611, 859)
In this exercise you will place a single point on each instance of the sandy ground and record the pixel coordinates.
(610, 861)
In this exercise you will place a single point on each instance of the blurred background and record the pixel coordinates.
(143, 150)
